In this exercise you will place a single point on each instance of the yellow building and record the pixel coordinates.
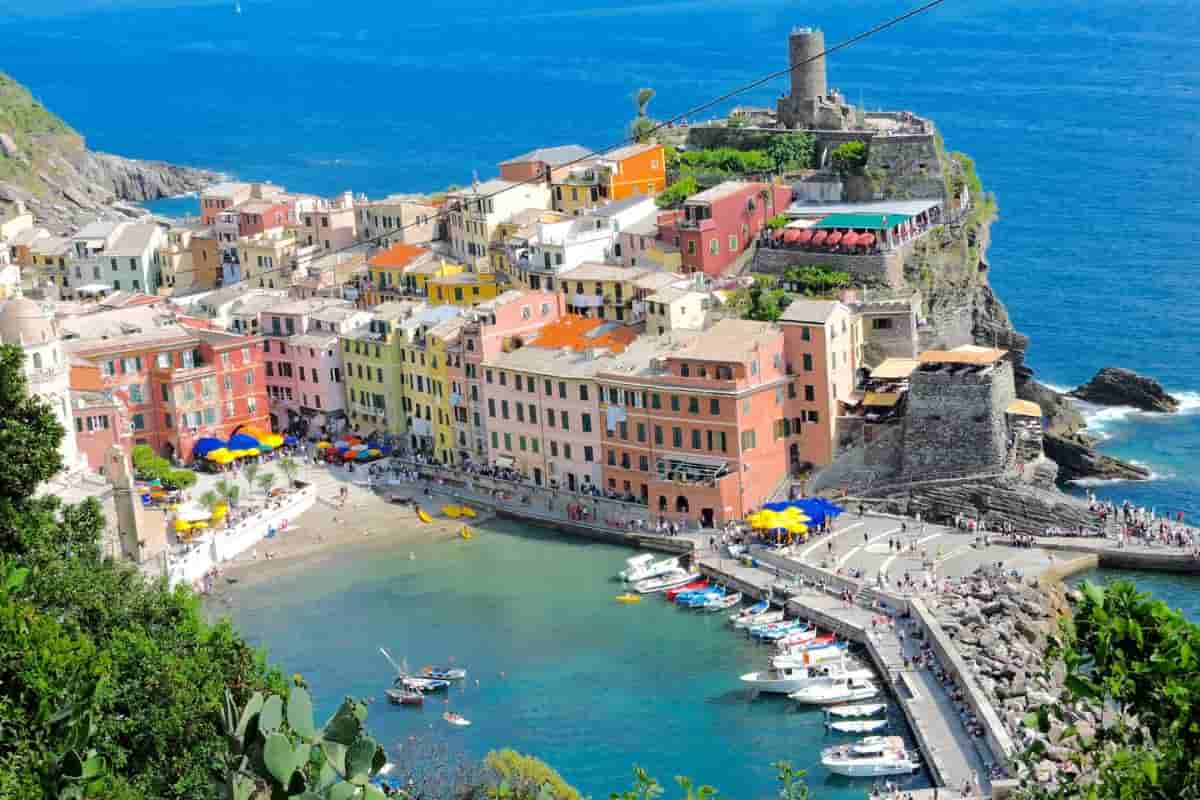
(387, 272)
(373, 371)
(464, 289)
(267, 259)
(601, 291)
(425, 386)
(441, 344)
(417, 277)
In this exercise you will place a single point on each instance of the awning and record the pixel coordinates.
(1023, 408)
(504, 461)
(819, 237)
(881, 400)
(895, 369)
(834, 238)
(805, 236)
(871, 222)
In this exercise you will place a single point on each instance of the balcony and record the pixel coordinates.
(687, 469)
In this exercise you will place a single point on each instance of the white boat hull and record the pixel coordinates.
(860, 710)
(859, 725)
(794, 679)
(806, 658)
(665, 582)
(765, 618)
(811, 696)
(869, 768)
(648, 571)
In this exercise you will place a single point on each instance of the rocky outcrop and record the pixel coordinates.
(1029, 509)
(1113, 386)
(1077, 459)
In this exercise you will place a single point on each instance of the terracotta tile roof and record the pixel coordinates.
(398, 255)
(581, 333)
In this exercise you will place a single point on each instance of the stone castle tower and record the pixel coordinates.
(811, 105)
(142, 539)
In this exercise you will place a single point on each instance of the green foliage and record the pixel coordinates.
(266, 481)
(522, 777)
(963, 174)
(274, 755)
(792, 151)
(109, 687)
(791, 782)
(290, 469)
(149, 466)
(641, 99)
(674, 195)
(209, 499)
(38, 134)
(849, 158)
(250, 470)
(1135, 661)
(641, 129)
(777, 222)
(815, 281)
(645, 787)
(762, 301)
(723, 160)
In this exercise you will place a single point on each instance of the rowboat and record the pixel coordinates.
(845, 689)
(404, 697)
(775, 634)
(761, 607)
(774, 630)
(465, 532)
(699, 597)
(468, 512)
(456, 719)
(444, 673)
(859, 710)
(673, 579)
(858, 725)
(722, 603)
(764, 618)
(872, 757)
(687, 587)
(421, 515)
(629, 598)
(787, 645)
(451, 511)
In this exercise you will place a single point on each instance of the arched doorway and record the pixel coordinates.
(681, 504)
(706, 517)
(662, 504)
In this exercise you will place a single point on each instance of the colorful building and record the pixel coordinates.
(328, 224)
(221, 197)
(720, 224)
(474, 216)
(538, 164)
(424, 379)
(445, 357)
(266, 258)
(463, 289)
(636, 169)
(602, 291)
(386, 279)
(397, 219)
(373, 371)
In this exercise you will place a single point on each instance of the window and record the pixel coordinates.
(487, 374)
(714, 406)
(135, 394)
(549, 386)
(677, 437)
(504, 409)
(553, 449)
(566, 423)
(695, 439)
(808, 362)
(612, 458)
(693, 405)
(723, 441)
(658, 434)
(139, 422)
(519, 382)
(166, 393)
(495, 441)
(714, 246)
(586, 422)
(805, 333)
(534, 446)
(491, 407)
(733, 240)
(163, 360)
(249, 377)
(583, 393)
(508, 441)
(655, 401)
(550, 417)
(587, 454)
(674, 402)
(562, 390)
(812, 416)
(504, 379)
(520, 412)
(532, 414)
(521, 442)
(791, 391)
(881, 324)
(748, 440)
(810, 393)
(691, 247)
(567, 450)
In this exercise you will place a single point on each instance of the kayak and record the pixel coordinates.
(466, 533)
(629, 598)
(421, 515)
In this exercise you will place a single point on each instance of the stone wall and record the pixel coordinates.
(955, 423)
(871, 270)
(905, 167)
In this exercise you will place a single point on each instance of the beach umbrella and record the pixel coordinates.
(242, 441)
(270, 439)
(342, 445)
(364, 455)
(265, 448)
(323, 445)
(218, 454)
(291, 441)
(182, 525)
(206, 445)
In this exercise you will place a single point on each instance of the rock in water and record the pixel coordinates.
(1113, 386)
(1077, 458)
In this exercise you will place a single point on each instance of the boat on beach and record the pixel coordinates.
(842, 689)
(761, 607)
(674, 578)
(763, 618)
(871, 757)
(857, 710)
(696, 583)
(404, 697)
(858, 725)
(421, 515)
(444, 673)
(644, 567)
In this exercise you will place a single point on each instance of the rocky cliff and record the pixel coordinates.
(47, 165)
(1113, 386)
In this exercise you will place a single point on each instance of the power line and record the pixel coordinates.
(879, 28)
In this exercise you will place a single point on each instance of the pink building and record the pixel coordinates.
(491, 327)
(100, 415)
(259, 216)
(538, 163)
(718, 225)
(327, 224)
(822, 358)
(694, 432)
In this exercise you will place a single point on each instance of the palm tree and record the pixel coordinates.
(289, 467)
(209, 499)
(641, 99)
(250, 471)
(235, 492)
(266, 480)
(225, 490)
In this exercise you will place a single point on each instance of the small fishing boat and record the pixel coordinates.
(671, 580)
(789, 645)
(775, 634)
(805, 658)
(858, 725)
(798, 637)
(404, 697)
(644, 567)
(424, 517)
(872, 757)
(721, 603)
(764, 618)
(690, 586)
(858, 710)
(844, 689)
(629, 598)
(456, 719)
(444, 673)
(761, 607)
(792, 679)
(422, 684)
(465, 532)
(699, 597)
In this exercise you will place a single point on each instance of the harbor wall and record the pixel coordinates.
(1110, 557)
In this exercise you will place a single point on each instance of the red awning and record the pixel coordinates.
(834, 238)
(778, 235)
(819, 237)
(806, 236)
(866, 240)
(791, 235)
(850, 239)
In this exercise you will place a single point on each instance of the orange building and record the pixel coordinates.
(636, 169)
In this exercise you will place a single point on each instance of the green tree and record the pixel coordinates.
(266, 481)
(674, 195)
(776, 222)
(764, 302)
(1129, 715)
(815, 280)
(109, 686)
(641, 128)
(210, 499)
(526, 778)
(227, 491)
(250, 470)
(641, 99)
(290, 469)
(791, 151)
(849, 158)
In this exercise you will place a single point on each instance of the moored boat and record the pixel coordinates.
(874, 756)
(404, 697)
(805, 658)
(644, 567)
(422, 684)
(444, 673)
(674, 578)
(764, 618)
(788, 644)
(856, 710)
(858, 725)
(423, 516)
(699, 598)
(792, 679)
(629, 598)
(721, 603)
(695, 583)
(761, 607)
(456, 719)
(843, 689)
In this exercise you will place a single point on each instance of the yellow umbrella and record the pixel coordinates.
(182, 525)
(323, 445)
(218, 454)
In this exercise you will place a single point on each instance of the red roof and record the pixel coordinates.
(398, 255)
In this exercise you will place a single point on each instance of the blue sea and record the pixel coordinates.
(1082, 117)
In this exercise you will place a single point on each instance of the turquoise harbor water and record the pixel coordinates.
(590, 685)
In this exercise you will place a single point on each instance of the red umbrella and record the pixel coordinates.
(850, 239)
(779, 234)
(866, 240)
(806, 236)
(819, 237)
(834, 238)
(792, 235)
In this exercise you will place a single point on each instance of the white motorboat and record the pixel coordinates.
(872, 757)
(765, 618)
(843, 689)
(858, 710)
(761, 607)
(722, 602)
(805, 658)
(858, 725)
(668, 580)
(644, 567)
(797, 637)
(793, 679)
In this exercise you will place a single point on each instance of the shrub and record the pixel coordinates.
(850, 157)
